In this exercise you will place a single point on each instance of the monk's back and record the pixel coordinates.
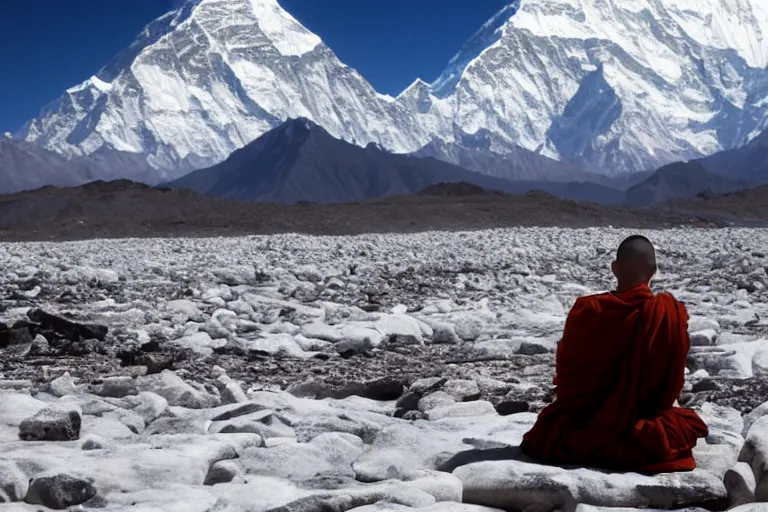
(619, 370)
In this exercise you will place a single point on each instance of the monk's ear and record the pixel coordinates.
(614, 268)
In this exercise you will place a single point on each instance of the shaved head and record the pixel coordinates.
(635, 261)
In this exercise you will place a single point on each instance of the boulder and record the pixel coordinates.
(62, 386)
(740, 483)
(176, 391)
(755, 453)
(52, 424)
(59, 491)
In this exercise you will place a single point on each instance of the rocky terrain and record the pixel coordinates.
(367, 373)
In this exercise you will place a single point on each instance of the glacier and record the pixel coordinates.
(609, 86)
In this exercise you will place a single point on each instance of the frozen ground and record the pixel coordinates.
(370, 373)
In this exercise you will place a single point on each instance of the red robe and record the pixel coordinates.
(620, 367)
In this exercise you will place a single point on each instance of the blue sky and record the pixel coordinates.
(51, 45)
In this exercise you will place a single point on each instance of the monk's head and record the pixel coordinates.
(635, 262)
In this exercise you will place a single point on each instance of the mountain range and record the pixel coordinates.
(583, 98)
(300, 161)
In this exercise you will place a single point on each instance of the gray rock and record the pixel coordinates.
(52, 424)
(427, 385)
(436, 399)
(517, 485)
(751, 507)
(508, 407)
(756, 414)
(462, 390)
(414, 416)
(59, 491)
(755, 453)
(221, 472)
(444, 334)
(117, 387)
(327, 456)
(149, 406)
(491, 386)
(62, 386)
(175, 426)
(231, 392)
(264, 423)
(530, 348)
(706, 337)
(467, 326)
(173, 388)
(13, 482)
(94, 442)
(408, 402)
(461, 410)
(740, 483)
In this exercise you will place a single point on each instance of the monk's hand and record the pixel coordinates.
(676, 404)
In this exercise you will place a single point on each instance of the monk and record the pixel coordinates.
(619, 371)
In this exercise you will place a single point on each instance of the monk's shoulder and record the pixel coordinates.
(667, 296)
(589, 304)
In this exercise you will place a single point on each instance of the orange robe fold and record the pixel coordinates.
(620, 367)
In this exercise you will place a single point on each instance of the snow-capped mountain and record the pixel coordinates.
(210, 77)
(612, 85)
(605, 85)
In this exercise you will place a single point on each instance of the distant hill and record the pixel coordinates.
(721, 173)
(300, 161)
(128, 209)
(682, 180)
(491, 156)
(25, 166)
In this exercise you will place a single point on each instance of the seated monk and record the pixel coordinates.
(619, 370)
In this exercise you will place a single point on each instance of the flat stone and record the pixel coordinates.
(462, 409)
(117, 387)
(517, 485)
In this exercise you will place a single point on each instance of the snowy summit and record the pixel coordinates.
(607, 85)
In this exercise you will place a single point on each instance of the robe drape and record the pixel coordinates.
(619, 370)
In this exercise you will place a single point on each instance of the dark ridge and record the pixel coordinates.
(460, 189)
(300, 162)
(725, 172)
(127, 209)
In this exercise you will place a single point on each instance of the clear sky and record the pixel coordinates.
(47, 46)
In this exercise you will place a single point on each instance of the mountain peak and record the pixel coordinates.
(235, 70)
(488, 34)
(289, 36)
(298, 128)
